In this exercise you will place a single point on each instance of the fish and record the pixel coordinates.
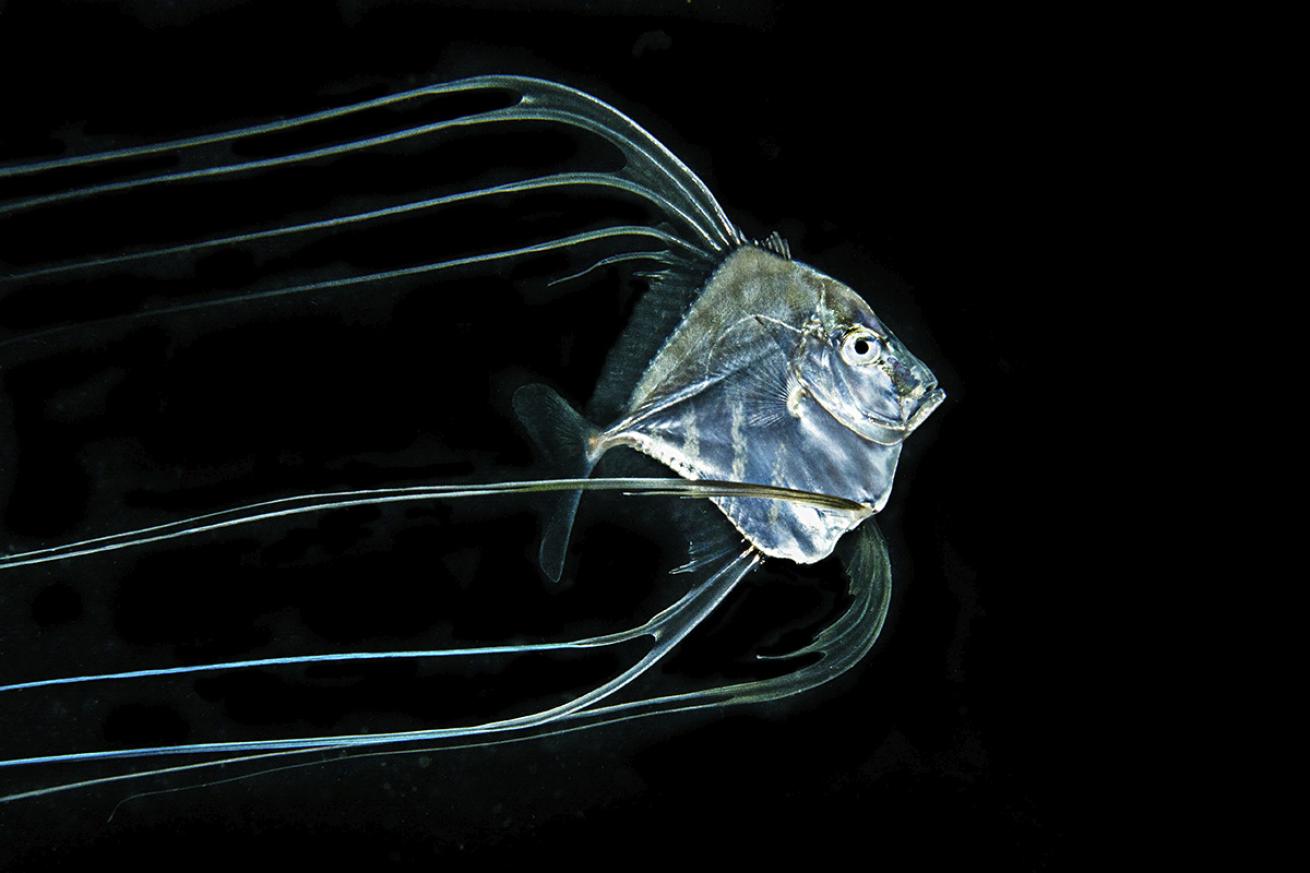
(771, 390)
(778, 375)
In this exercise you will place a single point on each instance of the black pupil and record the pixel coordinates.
(861, 346)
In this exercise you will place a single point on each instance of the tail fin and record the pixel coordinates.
(563, 438)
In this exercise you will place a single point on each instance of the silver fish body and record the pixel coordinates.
(780, 375)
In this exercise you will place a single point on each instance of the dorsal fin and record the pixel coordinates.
(670, 292)
(775, 243)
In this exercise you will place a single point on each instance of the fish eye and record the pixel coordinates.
(861, 347)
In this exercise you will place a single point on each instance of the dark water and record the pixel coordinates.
(885, 160)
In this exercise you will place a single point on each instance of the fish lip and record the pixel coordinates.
(929, 402)
(875, 429)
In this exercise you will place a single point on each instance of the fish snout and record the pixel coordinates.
(915, 385)
(917, 408)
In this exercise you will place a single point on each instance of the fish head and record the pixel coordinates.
(856, 369)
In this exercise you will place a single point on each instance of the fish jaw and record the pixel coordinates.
(915, 409)
(929, 402)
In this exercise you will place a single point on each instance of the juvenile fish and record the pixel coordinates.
(776, 375)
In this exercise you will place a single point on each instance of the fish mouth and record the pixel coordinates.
(888, 432)
(915, 409)
(927, 404)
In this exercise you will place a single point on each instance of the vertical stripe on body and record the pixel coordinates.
(738, 440)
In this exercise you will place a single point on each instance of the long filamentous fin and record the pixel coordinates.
(361, 279)
(840, 645)
(557, 180)
(675, 623)
(289, 506)
(538, 100)
(653, 627)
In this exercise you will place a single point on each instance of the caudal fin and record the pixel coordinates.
(563, 438)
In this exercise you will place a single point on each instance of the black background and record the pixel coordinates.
(903, 157)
